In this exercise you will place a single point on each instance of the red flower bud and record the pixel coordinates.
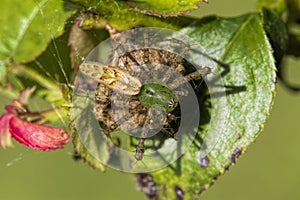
(33, 135)
(5, 139)
(37, 136)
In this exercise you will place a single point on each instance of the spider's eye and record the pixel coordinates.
(150, 93)
(172, 103)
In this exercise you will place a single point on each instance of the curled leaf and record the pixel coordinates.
(164, 8)
(25, 95)
(127, 17)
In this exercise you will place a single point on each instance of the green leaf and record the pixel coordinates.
(294, 42)
(164, 8)
(294, 27)
(7, 97)
(83, 153)
(15, 82)
(245, 61)
(294, 10)
(83, 39)
(28, 26)
(2, 73)
(88, 142)
(281, 32)
(272, 12)
(121, 16)
(276, 31)
(278, 6)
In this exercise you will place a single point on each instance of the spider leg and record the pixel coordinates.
(186, 47)
(83, 93)
(171, 134)
(197, 75)
(140, 149)
(132, 112)
(178, 59)
(168, 129)
(122, 53)
(182, 92)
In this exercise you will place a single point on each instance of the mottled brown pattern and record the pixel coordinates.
(137, 112)
(142, 64)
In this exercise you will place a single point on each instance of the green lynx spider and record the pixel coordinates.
(143, 96)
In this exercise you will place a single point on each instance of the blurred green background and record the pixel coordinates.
(269, 170)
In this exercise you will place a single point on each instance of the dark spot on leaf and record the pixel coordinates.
(238, 136)
(202, 189)
(236, 153)
(215, 178)
(147, 185)
(179, 193)
(227, 167)
(76, 156)
(203, 161)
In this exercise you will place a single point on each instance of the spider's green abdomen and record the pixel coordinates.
(158, 94)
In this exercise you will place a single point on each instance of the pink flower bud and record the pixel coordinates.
(37, 136)
(5, 139)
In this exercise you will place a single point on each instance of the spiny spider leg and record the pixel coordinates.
(197, 75)
(146, 39)
(186, 47)
(119, 54)
(171, 134)
(140, 149)
(168, 129)
(181, 93)
(203, 73)
(118, 48)
(83, 93)
(169, 75)
(200, 73)
(177, 41)
(178, 58)
(125, 117)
